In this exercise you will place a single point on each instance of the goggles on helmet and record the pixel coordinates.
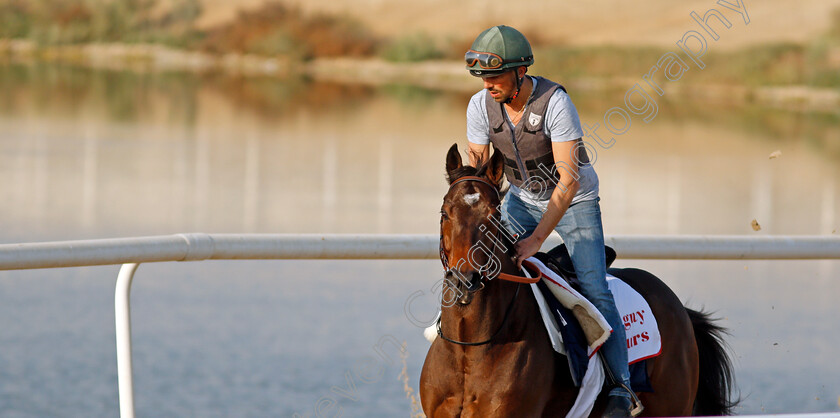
(486, 60)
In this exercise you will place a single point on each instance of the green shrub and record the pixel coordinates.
(411, 48)
(277, 42)
(15, 22)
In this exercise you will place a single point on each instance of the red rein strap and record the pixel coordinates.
(531, 267)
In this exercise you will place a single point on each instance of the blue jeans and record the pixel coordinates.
(582, 232)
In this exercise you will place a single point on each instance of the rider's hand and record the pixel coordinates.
(526, 248)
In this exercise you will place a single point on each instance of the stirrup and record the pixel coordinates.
(637, 403)
(637, 406)
(619, 406)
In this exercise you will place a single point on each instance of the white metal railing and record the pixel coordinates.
(194, 247)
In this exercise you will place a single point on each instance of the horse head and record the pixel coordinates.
(473, 249)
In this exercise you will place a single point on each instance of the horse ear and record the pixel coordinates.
(453, 161)
(496, 168)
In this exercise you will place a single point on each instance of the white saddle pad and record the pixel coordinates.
(642, 332)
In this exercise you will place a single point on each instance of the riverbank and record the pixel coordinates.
(444, 75)
(144, 58)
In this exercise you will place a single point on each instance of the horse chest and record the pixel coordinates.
(501, 379)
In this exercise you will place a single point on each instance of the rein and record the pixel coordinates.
(502, 325)
(503, 276)
(527, 265)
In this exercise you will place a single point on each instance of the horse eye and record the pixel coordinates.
(443, 214)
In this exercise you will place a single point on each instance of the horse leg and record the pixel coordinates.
(441, 389)
(673, 376)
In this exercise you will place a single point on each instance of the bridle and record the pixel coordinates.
(484, 275)
(444, 258)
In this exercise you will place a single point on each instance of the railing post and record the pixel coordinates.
(122, 316)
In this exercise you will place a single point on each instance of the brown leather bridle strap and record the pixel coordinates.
(478, 179)
(531, 267)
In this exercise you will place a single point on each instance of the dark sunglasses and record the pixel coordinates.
(486, 60)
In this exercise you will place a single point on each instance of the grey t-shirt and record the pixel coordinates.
(561, 124)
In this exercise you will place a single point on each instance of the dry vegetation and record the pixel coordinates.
(50, 22)
(277, 30)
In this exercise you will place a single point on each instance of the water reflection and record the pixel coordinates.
(147, 153)
(100, 154)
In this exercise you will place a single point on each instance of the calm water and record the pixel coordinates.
(93, 155)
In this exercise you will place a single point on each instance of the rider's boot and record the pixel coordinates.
(622, 402)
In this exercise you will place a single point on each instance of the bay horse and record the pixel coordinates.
(494, 358)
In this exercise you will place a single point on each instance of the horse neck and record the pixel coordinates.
(480, 320)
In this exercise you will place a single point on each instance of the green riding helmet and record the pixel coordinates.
(497, 50)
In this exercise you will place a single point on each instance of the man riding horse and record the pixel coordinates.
(553, 186)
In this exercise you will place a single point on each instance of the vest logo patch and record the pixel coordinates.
(534, 119)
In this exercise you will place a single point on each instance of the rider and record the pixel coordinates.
(532, 121)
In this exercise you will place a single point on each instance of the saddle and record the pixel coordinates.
(559, 260)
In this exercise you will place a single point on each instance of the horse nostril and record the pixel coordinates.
(476, 277)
